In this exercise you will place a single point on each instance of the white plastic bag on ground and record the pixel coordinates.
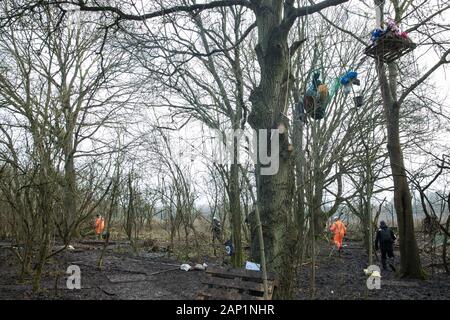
(185, 267)
(252, 266)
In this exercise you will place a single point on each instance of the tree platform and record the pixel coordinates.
(389, 48)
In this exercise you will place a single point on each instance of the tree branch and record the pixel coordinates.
(343, 30)
(159, 13)
(295, 13)
(295, 46)
(423, 23)
(442, 61)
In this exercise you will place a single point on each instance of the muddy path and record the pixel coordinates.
(152, 276)
(342, 278)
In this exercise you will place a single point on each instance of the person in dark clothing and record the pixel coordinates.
(385, 241)
(216, 229)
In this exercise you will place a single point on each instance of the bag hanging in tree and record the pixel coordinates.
(322, 94)
(358, 101)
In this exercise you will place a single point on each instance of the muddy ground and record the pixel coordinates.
(342, 278)
(125, 275)
(151, 275)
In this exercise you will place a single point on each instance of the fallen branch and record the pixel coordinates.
(440, 265)
(158, 272)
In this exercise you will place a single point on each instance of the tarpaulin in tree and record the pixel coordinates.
(318, 95)
(316, 98)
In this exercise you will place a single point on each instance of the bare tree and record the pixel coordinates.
(54, 87)
(392, 103)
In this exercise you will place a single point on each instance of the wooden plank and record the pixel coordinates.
(232, 273)
(236, 284)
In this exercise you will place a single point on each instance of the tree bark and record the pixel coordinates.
(300, 179)
(268, 103)
(410, 265)
(235, 212)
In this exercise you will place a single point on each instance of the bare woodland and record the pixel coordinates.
(112, 108)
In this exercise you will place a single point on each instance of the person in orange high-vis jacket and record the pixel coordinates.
(339, 230)
(99, 225)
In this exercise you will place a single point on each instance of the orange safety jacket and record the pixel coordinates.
(99, 225)
(338, 228)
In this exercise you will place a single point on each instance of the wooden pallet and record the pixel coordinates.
(389, 48)
(236, 284)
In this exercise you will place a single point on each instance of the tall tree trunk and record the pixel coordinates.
(444, 243)
(368, 215)
(44, 203)
(268, 104)
(410, 265)
(67, 144)
(235, 192)
(108, 220)
(69, 192)
(45, 210)
(130, 224)
(235, 211)
(300, 179)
